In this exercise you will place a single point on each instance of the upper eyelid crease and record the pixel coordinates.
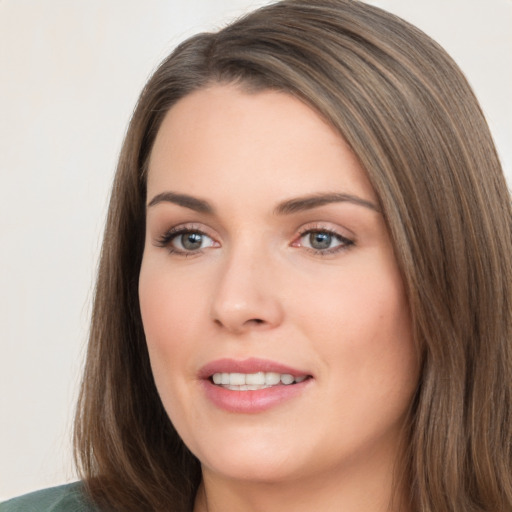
(182, 229)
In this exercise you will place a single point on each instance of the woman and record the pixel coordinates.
(305, 282)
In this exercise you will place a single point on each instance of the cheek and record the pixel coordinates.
(166, 306)
(357, 305)
(369, 358)
(166, 310)
(166, 314)
(361, 323)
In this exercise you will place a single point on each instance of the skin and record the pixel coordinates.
(257, 288)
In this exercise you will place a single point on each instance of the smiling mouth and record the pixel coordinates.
(253, 385)
(255, 381)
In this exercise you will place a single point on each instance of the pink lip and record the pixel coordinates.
(250, 402)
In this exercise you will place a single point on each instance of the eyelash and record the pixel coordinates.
(345, 243)
(165, 240)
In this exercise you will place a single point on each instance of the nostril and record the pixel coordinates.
(251, 321)
(254, 322)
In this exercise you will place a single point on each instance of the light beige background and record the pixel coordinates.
(70, 73)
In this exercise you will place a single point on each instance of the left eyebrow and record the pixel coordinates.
(300, 204)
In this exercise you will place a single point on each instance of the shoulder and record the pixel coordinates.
(65, 498)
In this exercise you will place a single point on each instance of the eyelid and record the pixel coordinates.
(165, 239)
(346, 241)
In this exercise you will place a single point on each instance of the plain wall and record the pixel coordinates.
(70, 73)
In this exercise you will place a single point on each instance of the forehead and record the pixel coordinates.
(222, 138)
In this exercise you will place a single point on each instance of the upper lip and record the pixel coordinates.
(251, 365)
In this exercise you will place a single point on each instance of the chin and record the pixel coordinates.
(251, 462)
(262, 471)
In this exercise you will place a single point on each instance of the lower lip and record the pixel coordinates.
(252, 401)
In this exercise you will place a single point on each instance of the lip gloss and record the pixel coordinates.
(251, 401)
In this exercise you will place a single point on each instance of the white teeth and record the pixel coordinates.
(245, 387)
(256, 379)
(253, 381)
(237, 379)
(272, 378)
(286, 378)
(221, 378)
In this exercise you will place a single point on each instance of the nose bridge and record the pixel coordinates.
(245, 296)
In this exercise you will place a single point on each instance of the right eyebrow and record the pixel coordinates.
(193, 203)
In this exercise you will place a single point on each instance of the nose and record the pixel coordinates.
(246, 295)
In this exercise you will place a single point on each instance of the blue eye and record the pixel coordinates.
(320, 240)
(191, 241)
(185, 241)
(324, 241)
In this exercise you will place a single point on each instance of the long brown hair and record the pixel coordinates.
(408, 113)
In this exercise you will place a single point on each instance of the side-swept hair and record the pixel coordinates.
(408, 113)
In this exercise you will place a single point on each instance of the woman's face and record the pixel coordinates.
(275, 315)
